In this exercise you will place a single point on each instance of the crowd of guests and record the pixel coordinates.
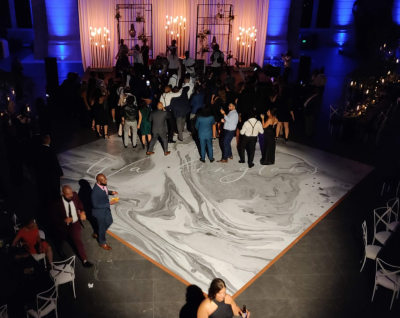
(161, 102)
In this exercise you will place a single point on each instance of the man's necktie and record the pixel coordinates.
(69, 214)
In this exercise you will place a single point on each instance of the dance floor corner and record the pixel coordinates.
(200, 220)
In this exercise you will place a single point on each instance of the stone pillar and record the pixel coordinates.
(294, 27)
(63, 26)
(13, 18)
(40, 27)
(277, 29)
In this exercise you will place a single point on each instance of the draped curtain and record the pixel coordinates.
(101, 13)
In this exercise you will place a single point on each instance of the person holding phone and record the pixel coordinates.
(101, 208)
(219, 304)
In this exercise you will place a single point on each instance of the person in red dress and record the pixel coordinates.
(29, 237)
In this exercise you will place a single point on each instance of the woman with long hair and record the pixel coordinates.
(285, 112)
(144, 124)
(174, 63)
(218, 103)
(112, 97)
(219, 304)
(99, 103)
(269, 126)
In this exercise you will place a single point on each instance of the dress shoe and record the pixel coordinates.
(171, 141)
(134, 146)
(94, 235)
(105, 246)
(150, 153)
(251, 165)
(223, 161)
(202, 160)
(241, 161)
(212, 160)
(125, 146)
(167, 153)
(230, 157)
(180, 139)
(87, 264)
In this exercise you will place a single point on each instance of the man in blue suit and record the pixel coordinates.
(204, 124)
(101, 208)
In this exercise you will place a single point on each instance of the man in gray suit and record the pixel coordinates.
(159, 119)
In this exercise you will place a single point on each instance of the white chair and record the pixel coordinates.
(64, 272)
(371, 251)
(46, 302)
(16, 223)
(3, 311)
(393, 216)
(380, 214)
(387, 278)
(335, 118)
(41, 256)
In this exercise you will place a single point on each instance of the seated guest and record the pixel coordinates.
(67, 214)
(29, 237)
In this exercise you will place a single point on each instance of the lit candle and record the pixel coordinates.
(383, 81)
(389, 73)
(8, 98)
(384, 45)
(397, 61)
(367, 91)
(351, 84)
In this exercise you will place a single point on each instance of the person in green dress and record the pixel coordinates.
(144, 125)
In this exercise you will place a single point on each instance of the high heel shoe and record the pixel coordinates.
(99, 135)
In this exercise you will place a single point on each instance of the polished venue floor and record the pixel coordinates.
(202, 221)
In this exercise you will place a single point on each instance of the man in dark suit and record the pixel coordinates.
(67, 213)
(159, 119)
(101, 208)
(48, 171)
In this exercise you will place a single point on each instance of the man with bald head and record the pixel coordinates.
(67, 214)
(159, 128)
(101, 208)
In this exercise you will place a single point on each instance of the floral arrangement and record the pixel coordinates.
(143, 37)
(139, 17)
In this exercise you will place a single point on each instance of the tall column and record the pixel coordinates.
(40, 28)
(294, 26)
(277, 29)
(13, 18)
(314, 14)
(63, 26)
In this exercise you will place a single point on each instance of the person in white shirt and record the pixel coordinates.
(165, 99)
(174, 63)
(138, 60)
(248, 139)
(217, 58)
(189, 64)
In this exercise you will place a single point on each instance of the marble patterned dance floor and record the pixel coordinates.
(203, 221)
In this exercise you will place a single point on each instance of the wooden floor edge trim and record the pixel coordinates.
(149, 259)
(251, 281)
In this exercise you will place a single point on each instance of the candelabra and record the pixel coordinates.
(100, 47)
(175, 29)
(246, 46)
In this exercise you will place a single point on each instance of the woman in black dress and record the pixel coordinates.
(99, 104)
(285, 112)
(113, 97)
(218, 103)
(268, 155)
(219, 304)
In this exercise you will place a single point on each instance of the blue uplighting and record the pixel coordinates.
(341, 38)
(342, 12)
(396, 11)
(59, 14)
(278, 15)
